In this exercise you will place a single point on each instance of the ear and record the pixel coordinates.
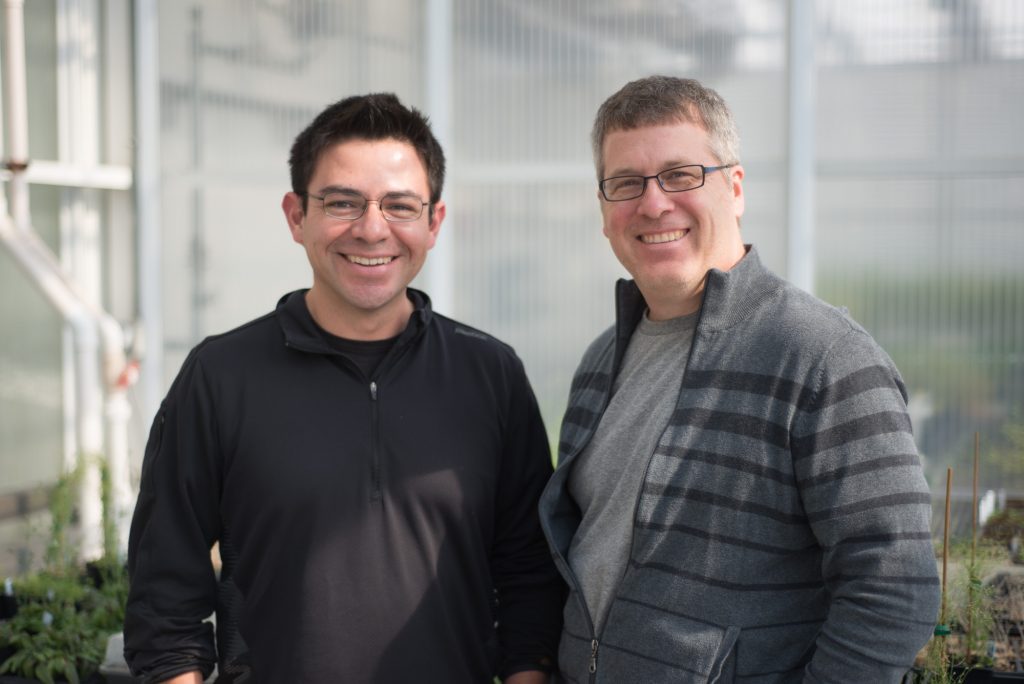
(291, 204)
(437, 217)
(738, 199)
(603, 205)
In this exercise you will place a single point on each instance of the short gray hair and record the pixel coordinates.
(657, 100)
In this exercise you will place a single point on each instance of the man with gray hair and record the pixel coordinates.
(738, 495)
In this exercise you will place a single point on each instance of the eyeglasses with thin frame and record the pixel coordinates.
(348, 206)
(676, 179)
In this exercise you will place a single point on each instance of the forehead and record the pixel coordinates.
(360, 162)
(653, 148)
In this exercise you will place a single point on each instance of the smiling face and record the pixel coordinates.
(362, 267)
(669, 241)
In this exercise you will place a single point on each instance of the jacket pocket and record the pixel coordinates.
(645, 643)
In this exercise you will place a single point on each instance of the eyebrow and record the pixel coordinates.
(631, 171)
(346, 190)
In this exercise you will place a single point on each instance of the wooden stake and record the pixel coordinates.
(974, 507)
(945, 543)
(974, 546)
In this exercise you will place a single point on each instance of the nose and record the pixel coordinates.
(371, 226)
(655, 201)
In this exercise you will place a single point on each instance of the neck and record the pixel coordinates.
(666, 308)
(357, 324)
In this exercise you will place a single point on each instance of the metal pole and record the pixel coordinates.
(801, 131)
(438, 79)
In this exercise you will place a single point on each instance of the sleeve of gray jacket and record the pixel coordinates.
(867, 501)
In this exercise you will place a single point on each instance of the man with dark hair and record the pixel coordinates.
(370, 468)
(738, 495)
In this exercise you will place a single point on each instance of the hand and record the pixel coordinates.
(193, 677)
(528, 677)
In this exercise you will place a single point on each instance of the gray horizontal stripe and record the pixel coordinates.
(858, 382)
(724, 584)
(753, 383)
(635, 654)
(731, 462)
(722, 501)
(884, 422)
(889, 579)
(750, 628)
(663, 609)
(881, 463)
(796, 669)
(577, 415)
(592, 381)
(875, 538)
(733, 423)
(886, 501)
(725, 539)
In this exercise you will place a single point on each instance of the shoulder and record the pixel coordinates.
(602, 345)
(249, 334)
(798, 319)
(473, 345)
(238, 348)
(838, 347)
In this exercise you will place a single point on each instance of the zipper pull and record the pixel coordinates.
(593, 656)
(373, 390)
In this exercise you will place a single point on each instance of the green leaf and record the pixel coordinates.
(70, 673)
(44, 674)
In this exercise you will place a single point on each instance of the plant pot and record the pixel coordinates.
(983, 675)
(978, 675)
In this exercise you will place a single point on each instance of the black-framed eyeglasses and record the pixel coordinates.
(347, 205)
(676, 179)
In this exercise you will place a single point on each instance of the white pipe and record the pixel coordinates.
(38, 263)
(85, 317)
(17, 109)
(99, 176)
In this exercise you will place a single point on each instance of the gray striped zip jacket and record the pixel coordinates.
(782, 532)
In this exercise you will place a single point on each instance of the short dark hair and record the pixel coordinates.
(376, 116)
(657, 100)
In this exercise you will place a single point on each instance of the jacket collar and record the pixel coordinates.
(301, 331)
(729, 298)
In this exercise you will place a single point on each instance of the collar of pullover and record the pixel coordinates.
(302, 333)
(729, 297)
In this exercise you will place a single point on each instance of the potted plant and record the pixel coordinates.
(981, 624)
(55, 623)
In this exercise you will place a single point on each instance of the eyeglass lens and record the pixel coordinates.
(676, 179)
(351, 205)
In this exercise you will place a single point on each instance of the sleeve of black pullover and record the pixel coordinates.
(530, 590)
(865, 496)
(173, 586)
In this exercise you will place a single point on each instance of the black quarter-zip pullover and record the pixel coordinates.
(373, 529)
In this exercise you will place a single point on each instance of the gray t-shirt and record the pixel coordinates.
(605, 479)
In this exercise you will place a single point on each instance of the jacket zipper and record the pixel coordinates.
(375, 493)
(595, 642)
(593, 660)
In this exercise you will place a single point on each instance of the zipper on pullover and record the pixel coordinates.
(593, 658)
(375, 493)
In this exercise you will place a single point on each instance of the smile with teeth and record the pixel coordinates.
(369, 261)
(658, 238)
